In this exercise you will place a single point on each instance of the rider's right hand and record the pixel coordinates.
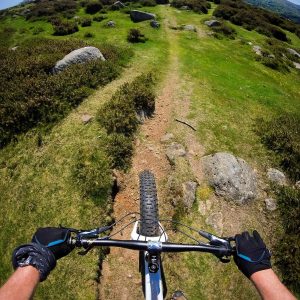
(252, 254)
(48, 245)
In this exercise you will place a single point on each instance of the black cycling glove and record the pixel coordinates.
(48, 245)
(252, 254)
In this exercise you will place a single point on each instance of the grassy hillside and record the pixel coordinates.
(228, 89)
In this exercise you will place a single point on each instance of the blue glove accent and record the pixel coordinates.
(55, 243)
(247, 258)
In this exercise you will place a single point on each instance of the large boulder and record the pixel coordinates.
(230, 176)
(139, 16)
(78, 56)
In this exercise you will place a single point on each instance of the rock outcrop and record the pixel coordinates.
(230, 176)
(212, 23)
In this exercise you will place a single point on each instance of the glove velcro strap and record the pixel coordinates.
(34, 255)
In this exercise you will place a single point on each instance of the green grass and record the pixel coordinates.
(37, 184)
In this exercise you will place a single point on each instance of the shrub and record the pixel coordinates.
(135, 36)
(119, 116)
(65, 27)
(88, 35)
(29, 95)
(86, 22)
(281, 135)
(120, 149)
(224, 30)
(92, 171)
(93, 7)
(148, 2)
(199, 6)
(287, 250)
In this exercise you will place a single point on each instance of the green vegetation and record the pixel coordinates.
(284, 8)
(197, 6)
(121, 116)
(30, 95)
(287, 248)
(135, 36)
(250, 17)
(281, 135)
(224, 30)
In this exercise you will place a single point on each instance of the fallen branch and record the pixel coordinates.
(185, 124)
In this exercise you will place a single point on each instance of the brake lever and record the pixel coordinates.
(213, 239)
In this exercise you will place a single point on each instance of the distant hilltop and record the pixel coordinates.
(285, 8)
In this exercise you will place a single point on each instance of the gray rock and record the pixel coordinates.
(167, 137)
(184, 7)
(216, 221)
(230, 176)
(297, 65)
(189, 193)
(297, 185)
(86, 118)
(212, 23)
(271, 56)
(25, 12)
(294, 52)
(139, 16)
(76, 18)
(78, 56)
(118, 4)
(111, 24)
(14, 48)
(271, 204)
(276, 176)
(174, 151)
(189, 28)
(154, 24)
(257, 50)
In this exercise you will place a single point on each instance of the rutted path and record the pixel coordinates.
(120, 277)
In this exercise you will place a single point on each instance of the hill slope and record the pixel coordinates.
(283, 7)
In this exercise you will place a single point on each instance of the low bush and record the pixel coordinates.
(135, 36)
(30, 95)
(88, 35)
(224, 30)
(37, 30)
(120, 116)
(6, 35)
(287, 250)
(120, 149)
(199, 6)
(86, 22)
(64, 27)
(92, 171)
(281, 135)
(93, 7)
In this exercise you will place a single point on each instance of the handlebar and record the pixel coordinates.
(152, 246)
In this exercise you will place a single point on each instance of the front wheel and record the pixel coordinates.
(148, 205)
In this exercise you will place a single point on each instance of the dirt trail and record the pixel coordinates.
(120, 278)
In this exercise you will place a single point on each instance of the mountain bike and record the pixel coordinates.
(149, 237)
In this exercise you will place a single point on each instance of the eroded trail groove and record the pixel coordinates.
(120, 277)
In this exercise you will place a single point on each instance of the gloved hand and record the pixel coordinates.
(48, 245)
(252, 254)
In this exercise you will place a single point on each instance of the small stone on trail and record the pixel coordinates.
(189, 28)
(189, 193)
(276, 176)
(167, 137)
(86, 118)
(270, 204)
(174, 151)
(154, 24)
